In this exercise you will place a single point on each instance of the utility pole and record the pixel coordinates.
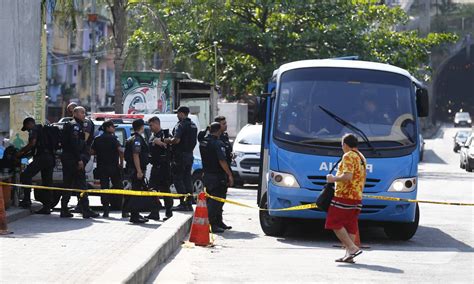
(215, 64)
(92, 21)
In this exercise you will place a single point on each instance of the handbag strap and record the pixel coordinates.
(335, 165)
(360, 157)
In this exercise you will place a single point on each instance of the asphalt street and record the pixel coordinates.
(441, 251)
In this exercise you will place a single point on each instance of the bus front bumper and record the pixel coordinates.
(372, 210)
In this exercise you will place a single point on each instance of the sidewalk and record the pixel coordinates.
(52, 249)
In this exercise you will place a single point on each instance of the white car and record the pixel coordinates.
(246, 148)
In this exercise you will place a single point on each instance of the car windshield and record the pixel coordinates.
(462, 115)
(378, 103)
(250, 136)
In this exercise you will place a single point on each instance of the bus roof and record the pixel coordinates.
(342, 64)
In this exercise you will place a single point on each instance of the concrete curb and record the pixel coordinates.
(16, 213)
(141, 260)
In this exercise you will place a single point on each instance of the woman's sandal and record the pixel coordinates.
(345, 259)
(350, 258)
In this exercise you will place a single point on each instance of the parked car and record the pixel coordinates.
(422, 147)
(246, 148)
(462, 119)
(123, 131)
(459, 139)
(467, 154)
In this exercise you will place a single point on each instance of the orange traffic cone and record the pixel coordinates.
(200, 227)
(3, 214)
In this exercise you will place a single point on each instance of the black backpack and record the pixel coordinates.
(51, 138)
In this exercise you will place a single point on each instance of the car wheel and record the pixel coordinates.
(468, 166)
(271, 226)
(403, 231)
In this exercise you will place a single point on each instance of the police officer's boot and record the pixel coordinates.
(65, 213)
(169, 214)
(46, 210)
(26, 202)
(154, 215)
(106, 211)
(86, 210)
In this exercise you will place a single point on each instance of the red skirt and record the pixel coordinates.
(343, 213)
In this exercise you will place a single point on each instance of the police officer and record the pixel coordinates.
(160, 177)
(109, 161)
(183, 141)
(137, 162)
(224, 137)
(217, 174)
(89, 129)
(229, 156)
(43, 160)
(74, 157)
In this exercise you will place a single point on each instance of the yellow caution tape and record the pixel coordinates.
(417, 200)
(103, 191)
(178, 195)
(293, 208)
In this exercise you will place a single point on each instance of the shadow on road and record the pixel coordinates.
(312, 235)
(232, 234)
(372, 267)
(35, 225)
(432, 157)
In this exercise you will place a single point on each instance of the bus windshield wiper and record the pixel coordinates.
(350, 126)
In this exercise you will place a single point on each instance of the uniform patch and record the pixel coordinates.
(76, 127)
(137, 143)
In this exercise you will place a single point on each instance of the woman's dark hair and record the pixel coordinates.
(350, 140)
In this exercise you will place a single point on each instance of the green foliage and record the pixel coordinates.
(255, 37)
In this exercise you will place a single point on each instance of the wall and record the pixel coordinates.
(20, 49)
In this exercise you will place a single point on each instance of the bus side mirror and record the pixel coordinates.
(422, 102)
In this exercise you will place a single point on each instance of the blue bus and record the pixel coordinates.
(310, 105)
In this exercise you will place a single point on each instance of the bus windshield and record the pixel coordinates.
(378, 103)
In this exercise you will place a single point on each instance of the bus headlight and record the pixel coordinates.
(284, 180)
(403, 185)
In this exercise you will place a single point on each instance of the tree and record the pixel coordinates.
(255, 37)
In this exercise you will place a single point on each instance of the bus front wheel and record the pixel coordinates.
(403, 231)
(271, 226)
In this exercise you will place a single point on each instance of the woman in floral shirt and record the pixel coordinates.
(345, 207)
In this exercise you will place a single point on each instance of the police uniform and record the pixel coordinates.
(183, 159)
(74, 151)
(160, 177)
(215, 179)
(44, 162)
(140, 147)
(106, 147)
